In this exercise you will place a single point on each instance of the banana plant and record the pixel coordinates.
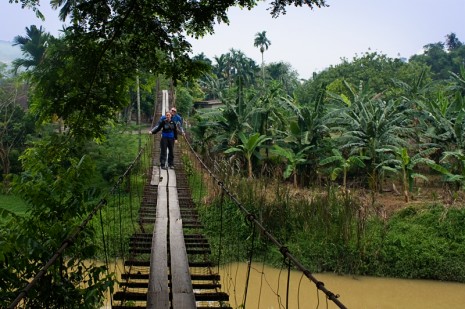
(454, 171)
(293, 160)
(343, 164)
(405, 164)
(248, 148)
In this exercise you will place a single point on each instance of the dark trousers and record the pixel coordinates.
(166, 143)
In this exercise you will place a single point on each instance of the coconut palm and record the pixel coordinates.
(33, 47)
(263, 43)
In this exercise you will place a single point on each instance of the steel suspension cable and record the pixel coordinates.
(105, 251)
(221, 231)
(283, 249)
(249, 265)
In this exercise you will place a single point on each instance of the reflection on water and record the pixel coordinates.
(268, 291)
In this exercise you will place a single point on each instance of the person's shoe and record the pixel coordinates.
(163, 167)
(172, 167)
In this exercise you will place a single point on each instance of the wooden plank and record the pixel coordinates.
(182, 291)
(171, 178)
(155, 176)
(163, 178)
(173, 202)
(158, 291)
(162, 202)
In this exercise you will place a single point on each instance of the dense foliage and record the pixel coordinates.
(346, 136)
(333, 232)
(380, 114)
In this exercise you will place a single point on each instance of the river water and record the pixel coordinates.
(266, 283)
(267, 290)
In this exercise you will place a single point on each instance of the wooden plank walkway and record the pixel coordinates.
(168, 228)
(158, 273)
(158, 291)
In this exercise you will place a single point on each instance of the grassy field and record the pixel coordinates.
(13, 203)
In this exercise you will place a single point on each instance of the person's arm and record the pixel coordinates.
(158, 127)
(175, 132)
(180, 124)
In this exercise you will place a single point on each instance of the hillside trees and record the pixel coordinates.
(442, 57)
(375, 70)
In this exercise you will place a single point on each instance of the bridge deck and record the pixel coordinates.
(168, 229)
(166, 264)
(169, 268)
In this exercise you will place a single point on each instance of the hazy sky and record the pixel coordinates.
(309, 40)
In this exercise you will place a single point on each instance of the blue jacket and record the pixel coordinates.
(177, 120)
(168, 129)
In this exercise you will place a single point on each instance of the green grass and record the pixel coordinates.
(13, 203)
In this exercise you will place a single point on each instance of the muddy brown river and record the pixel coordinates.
(267, 290)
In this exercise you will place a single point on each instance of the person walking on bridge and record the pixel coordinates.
(169, 135)
(176, 118)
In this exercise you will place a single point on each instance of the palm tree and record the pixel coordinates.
(262, 41)
(33, 47)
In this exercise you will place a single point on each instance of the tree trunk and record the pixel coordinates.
(249, 164)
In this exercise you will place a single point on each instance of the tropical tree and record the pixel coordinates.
(444, 121)
(263, 43)
(248, 147)
(212, 86)
(343, 164)
(405, 164)
(442, 57)
(307, 126)
(285, 74)
(267, 113)
(367, 125)
(452, 41)
(292, 160)
(33, 47)
(453, 167)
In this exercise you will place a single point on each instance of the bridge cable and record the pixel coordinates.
(249, 264)
(221, 231)
(298, 291)
(262, 274)
(283, 249)
(287, 287)
(105, 251)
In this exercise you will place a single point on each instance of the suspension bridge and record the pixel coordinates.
(166, 261)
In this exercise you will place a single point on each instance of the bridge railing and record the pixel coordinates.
(252, 219)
